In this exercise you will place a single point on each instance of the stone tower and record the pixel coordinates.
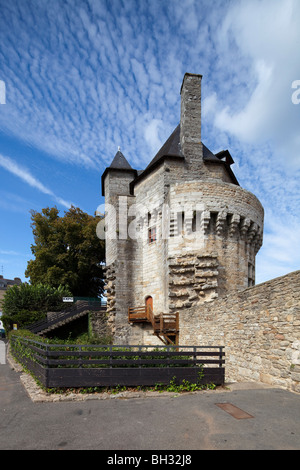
(181, 232)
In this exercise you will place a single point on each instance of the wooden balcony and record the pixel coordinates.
(165, 325)
(137, 314)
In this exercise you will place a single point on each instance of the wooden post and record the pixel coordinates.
(177, 322)
(161, 322)
(221, 355)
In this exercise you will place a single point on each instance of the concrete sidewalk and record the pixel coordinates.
(2, 352)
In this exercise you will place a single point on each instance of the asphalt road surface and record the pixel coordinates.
(175, 423)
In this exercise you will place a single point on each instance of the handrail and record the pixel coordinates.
(150, 315)
(163, 324)
(61, 316)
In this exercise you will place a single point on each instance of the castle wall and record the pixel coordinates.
(192, 234)
(216, 231)
(196, 259)
(217, 171)
(120, 253)
(151, 273)
(137, 268)
(259, 327)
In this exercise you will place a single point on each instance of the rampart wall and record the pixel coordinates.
(259, 327)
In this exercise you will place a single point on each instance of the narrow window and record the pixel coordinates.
(152, 235)
(194, 222)
(251, 275)
(180, 223)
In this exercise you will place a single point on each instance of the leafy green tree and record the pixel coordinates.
(24, 304)
(67, 251)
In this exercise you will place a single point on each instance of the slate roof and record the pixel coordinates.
(170, 149)
(4, 283)
(120, 163)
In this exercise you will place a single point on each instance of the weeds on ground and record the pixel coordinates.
(173, 386)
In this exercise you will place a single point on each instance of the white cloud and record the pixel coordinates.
(81, 81)
(267, 35)
(280, 253)
(209, 106)
(10, 165)
(153, 134)
(249, 123)
(9, 253)
(83, 87)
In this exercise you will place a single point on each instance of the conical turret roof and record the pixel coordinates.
(119, 162)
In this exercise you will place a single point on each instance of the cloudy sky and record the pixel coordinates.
(78, 78)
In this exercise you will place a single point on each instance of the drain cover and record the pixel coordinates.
(234, 411)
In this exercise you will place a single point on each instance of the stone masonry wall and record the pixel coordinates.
(228, 222)
(151, 256)
(187, 267)
(120, 261)
(192, 280)
(190, 126)
(259, 327)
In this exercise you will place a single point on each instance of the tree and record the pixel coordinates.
(67, 251)
(24, 304)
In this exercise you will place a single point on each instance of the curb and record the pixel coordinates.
(38, 395)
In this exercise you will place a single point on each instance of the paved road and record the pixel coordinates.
(186, 422)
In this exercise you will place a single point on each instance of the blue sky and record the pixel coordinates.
(83, 77)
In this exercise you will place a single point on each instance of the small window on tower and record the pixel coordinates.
(251, 275)
(152, 235)
(195, 221)
(180, 222)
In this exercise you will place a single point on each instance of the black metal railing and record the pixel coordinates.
(57, 318)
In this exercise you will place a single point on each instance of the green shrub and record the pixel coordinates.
(38, 297)
(22, 319)
(25, 304)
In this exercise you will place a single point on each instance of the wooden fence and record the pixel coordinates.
(58, 365)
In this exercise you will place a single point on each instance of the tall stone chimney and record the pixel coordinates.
(190, 122)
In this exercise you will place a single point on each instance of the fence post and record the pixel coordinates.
(47, 355)
(110, 356)
(80, 356)
(195, 356)
(47, 379)
(168, 356)
(220, 355)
